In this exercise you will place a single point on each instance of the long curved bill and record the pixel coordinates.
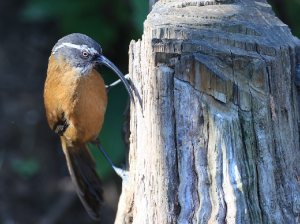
(104, 61)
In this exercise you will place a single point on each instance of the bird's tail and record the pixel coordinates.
(82, 169)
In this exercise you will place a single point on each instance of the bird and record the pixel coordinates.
(75, 98)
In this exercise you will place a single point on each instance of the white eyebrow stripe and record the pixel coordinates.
(82, 47)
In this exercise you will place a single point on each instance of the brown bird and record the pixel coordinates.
(75, 99)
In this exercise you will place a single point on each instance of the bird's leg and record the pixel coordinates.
(96, 142)
(131, 86)
(116, 82)
(122, 173)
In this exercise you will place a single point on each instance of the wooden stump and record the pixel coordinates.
(218, 141)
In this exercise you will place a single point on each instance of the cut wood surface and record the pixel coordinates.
(218, 140)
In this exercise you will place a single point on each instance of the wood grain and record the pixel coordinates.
(219, 138)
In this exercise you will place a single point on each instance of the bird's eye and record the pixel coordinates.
(85, 54)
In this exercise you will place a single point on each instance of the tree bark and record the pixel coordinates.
(151, 3)
(218, 140)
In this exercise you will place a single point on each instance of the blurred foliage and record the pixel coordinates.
(113, 24)
(140, 11)
(288, 11)
(25, 168)
(105, 21)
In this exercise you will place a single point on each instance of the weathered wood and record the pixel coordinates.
(219, 138)
(151, 3)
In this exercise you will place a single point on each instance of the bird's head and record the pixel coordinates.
(83, 54)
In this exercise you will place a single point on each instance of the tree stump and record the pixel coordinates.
(218, 140)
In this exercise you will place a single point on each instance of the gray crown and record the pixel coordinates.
(71, 48)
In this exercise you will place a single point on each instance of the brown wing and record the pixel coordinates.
(52, 94)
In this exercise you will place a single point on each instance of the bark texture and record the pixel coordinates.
(151, 3)
(218, 140)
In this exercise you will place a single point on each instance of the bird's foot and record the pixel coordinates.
(123, 174)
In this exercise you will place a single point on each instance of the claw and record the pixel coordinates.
(123, 174)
